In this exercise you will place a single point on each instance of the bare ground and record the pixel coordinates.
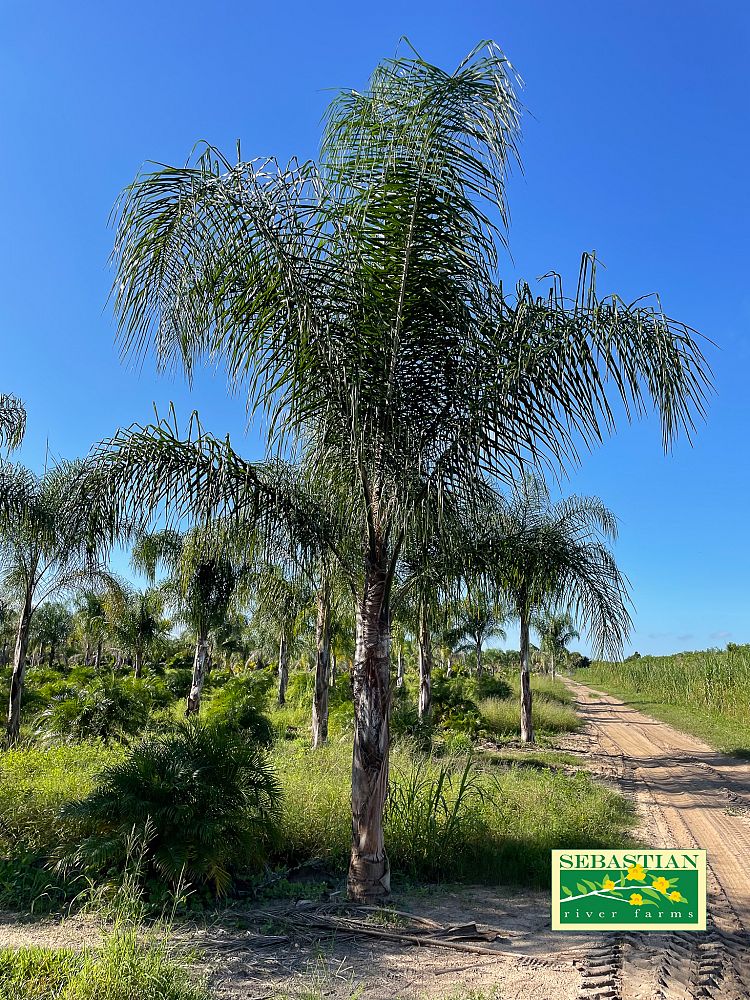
(687, 795)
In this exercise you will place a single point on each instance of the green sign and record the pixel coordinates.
(650, 890)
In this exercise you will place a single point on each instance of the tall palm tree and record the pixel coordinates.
(90, 622)
(556, 629)
(282, 605)
(136, 625)
(202, 585)
(54, 531)
(480, 616)
(52, 626)
(357, 303)
(555, 554)
(12, 421)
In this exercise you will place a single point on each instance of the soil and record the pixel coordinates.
(687, 795)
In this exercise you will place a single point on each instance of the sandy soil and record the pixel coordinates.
(687, 795)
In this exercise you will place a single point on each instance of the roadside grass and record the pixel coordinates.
(127, 967)
(706, 694)
(449, 820)
(500, 716)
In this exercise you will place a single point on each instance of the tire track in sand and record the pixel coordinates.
(688, 795)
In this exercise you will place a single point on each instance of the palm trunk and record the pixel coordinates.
(322, 667)
(19, 672)
(425, 665)
(400, 668)
(369, 869)
(98, 657)
(333, 669)
(283, 669)
(552, 657)
(200, 662)
(51, 655)
(138, 664)
(480, 665)
(527, 727)
(449, 666)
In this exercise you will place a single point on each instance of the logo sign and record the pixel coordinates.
(652, 890)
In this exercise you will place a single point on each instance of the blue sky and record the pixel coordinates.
(636, 145)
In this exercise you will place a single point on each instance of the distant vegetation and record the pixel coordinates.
(706, 692)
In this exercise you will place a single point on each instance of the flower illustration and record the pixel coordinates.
(608, 884)
(675, 897)
(661, 884)
(636, 899)
(636, 872)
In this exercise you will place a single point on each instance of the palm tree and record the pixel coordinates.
(554, 554)
(357, 303)
(52, 626)
(282, 604)
(12, 421)
(135, 624)
(201, 586)
(90, 622)
(480, 616)
(556, 629)
(54, 530)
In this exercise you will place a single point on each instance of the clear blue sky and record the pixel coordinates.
(636, 145)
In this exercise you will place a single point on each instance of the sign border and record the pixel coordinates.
(555, 901)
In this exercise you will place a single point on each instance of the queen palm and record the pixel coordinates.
(12, 421)
(53, 624)
(545, 554)
(357, 302)
(202, 585)
(556, 629)
(54, 530)
(479, 616)
(90, 622)
(136, 625)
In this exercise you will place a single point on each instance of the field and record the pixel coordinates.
(706, 693)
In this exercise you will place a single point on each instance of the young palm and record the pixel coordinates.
(54, 530)
(52, 627)
(556, 629)
(136, 625)
(480, 616)
(90, 622)
(202, 584)
(546, 554)
(358, 302)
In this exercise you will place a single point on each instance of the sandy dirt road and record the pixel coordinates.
(688, 796)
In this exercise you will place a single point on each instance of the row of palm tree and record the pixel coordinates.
(355, 302)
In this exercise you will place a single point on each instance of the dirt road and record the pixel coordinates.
(688, 796)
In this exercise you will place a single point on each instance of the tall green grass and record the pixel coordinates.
(445, 820)
(705, 692)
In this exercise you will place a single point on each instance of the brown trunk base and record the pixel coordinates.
(369, 879)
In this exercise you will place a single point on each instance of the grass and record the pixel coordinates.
(703, 693)
(506, 822)
(127, 967)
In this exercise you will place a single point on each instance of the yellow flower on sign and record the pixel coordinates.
(636, 872)
(636, 899)
(608, 884)
(675, 897)
(660, 883)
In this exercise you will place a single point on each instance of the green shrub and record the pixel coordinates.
(106, 710)
(177, 681)
(202, 801)
(490, 686)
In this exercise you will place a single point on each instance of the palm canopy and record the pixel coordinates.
(12, 421)
(556, 629)
(357, 300)
(54, 528)
(555, 554)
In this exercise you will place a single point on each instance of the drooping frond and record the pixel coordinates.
(12, 421)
